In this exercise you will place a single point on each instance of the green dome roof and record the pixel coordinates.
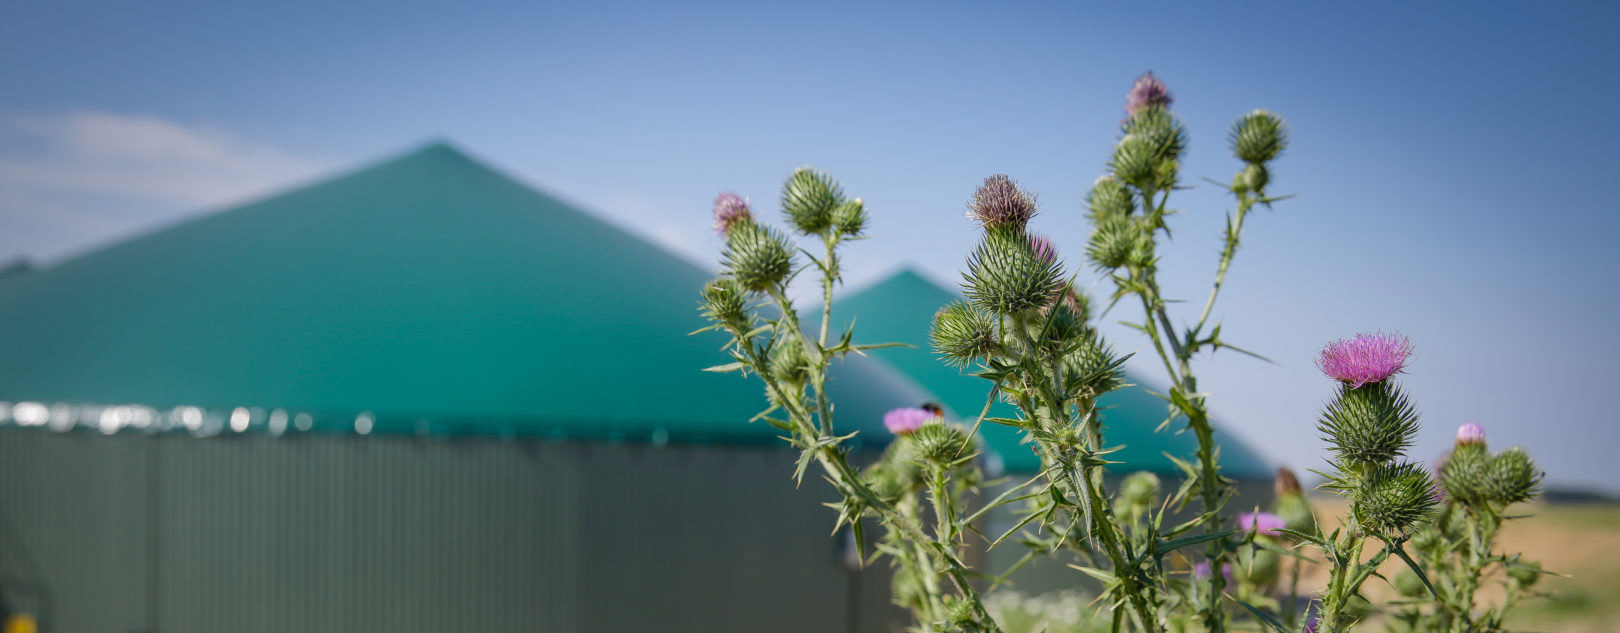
(900, 309)
(428, 293)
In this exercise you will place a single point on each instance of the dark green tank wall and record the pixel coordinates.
(174, 534)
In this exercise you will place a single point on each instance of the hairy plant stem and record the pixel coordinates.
(1340, 583)
(1212, 488)
(1482, 525)
(1082, 487)
(827, 452)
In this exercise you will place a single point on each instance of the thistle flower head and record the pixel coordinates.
(729, 209)
(1393, 499)
(1201, 570)
(962, 333)
(1513, 477)
(1471, 433)
(907, 419)
(1005, 277)
(1264, 523)
(1000, 202)
(1367, 358)
(1148, 91)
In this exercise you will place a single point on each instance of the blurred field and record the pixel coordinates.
(1579, 540)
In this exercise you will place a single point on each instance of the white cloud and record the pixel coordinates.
(146, 157)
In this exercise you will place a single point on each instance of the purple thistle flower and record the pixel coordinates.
(1147, 91)
(1044, 250)
(729, 209)
(1367, 358)
(1471, 433)
(1311, 624)
(1262, 523)
(999, 202)
(907, 419)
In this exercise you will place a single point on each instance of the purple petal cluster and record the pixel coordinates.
(907, 419)
(1262, 523)
(729, 209)
(1147, 91)
(1471, 433)
(1365, 359)
(1043, 248)
(999, 202)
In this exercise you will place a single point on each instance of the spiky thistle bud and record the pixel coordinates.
(809, 198)
(1367, 358)
(789, 362)
(1258, 137)
(1392, 499)
(1115, 243)
(1256, 566)
(757, 256)
(962, 333)
(1109, 199)
(850, 218)
(1136, 161)
(1371, 425)
(940, 444)
(1057, 326)
(725, 302)
(1005, 277)
(1146, 93)
(1524, 574)
(1092, 369)
(730, 209)
(884, 481)
(1161, 130)
(1465, 473)
(1408, 584)
(999, 202)
(1513, 477)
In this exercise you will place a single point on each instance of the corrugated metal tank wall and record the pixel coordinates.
(344, 533)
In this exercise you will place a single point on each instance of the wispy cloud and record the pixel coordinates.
(86, 177)
(147, 157)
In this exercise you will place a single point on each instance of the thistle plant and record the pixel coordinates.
(1026, 327)
(1475, 488)
(1368, 425)
(1128, 208)
(749, 302)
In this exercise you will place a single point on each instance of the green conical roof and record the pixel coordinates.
(430, 291)
(900, 309)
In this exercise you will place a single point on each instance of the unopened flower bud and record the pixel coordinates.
(850, 218)
(1524, 574)
(962, 333)
(1392, 499)
(1471, 433)
(725, 302)
(1408, 584)
(1465, 472)
(757, 256)
(1513, 477)
(1137, 494)
(940, 444)
(789, 362)
(809, 199)
(1109, 199)
(1136, 161)
(1258, 137)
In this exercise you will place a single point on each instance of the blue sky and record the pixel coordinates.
(1452, 161)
